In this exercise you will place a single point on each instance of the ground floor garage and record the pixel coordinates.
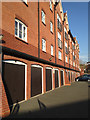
(36, 80)
(23, 79)
(48, 79)
(14, 80)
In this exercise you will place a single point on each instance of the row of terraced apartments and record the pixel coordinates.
(39, 52)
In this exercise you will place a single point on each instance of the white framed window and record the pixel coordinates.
(51, 26)
(44, 45)
(59, 36)
(69, 60)
(59, 41)
(51, 49)
(66, 49)
(65, 29)
(66, 59)
(20, 30)
(43, 16)
(59, 55)
(50, 4)
(65, 44)
(58, 18)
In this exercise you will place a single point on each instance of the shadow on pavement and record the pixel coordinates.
(41, 105)
(73, 110)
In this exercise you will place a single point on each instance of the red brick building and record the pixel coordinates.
(39, 52)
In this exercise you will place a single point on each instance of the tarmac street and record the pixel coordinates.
(64, 102)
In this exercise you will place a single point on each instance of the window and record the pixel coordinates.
(73, 56)
(50, 5)
(59, 55)
(66, 59)
(69, 60)
(43, 45)
(73, 63)
(59, 41)
(66, 49)
(43, 17)
(59, 22)
(65, 44)
(73, 46)
(58, 17)
(51, 27)
(66, 35)
(20, 30)
(51, 49)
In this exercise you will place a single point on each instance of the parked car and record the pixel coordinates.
(85, 77)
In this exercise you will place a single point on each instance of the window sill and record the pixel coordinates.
(51, 32)
(44, 24)
(52, 55)
(21, 40)
(43, 51)
(25, 3)
(51, 10)
(60, 59)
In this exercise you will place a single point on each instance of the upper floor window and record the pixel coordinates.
(59, 22)
(51, 27)
(43, 16)
(51, 49)
(65, 29)
(66, 48)
(20, 30)
(65, 32)
(58, 17)
(66, 59)
(50, 5)
(59, 41)
(73, 46)
(65, 44)
(59, 55)
(44, 45)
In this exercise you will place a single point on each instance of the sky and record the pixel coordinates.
(78, 24)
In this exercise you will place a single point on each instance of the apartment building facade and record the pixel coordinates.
(39, 52)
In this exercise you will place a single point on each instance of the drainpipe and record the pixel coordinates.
(56, 3)
(55, 32)
(38, 32)
(63, 43)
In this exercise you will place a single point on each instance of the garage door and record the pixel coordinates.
(69, 76)
(48, 79)
(56, 79)
(36, 81)
(14, 82)
(61, 77)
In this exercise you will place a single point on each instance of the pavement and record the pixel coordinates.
(64, 102)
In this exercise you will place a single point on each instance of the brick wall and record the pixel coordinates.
(4, 108)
